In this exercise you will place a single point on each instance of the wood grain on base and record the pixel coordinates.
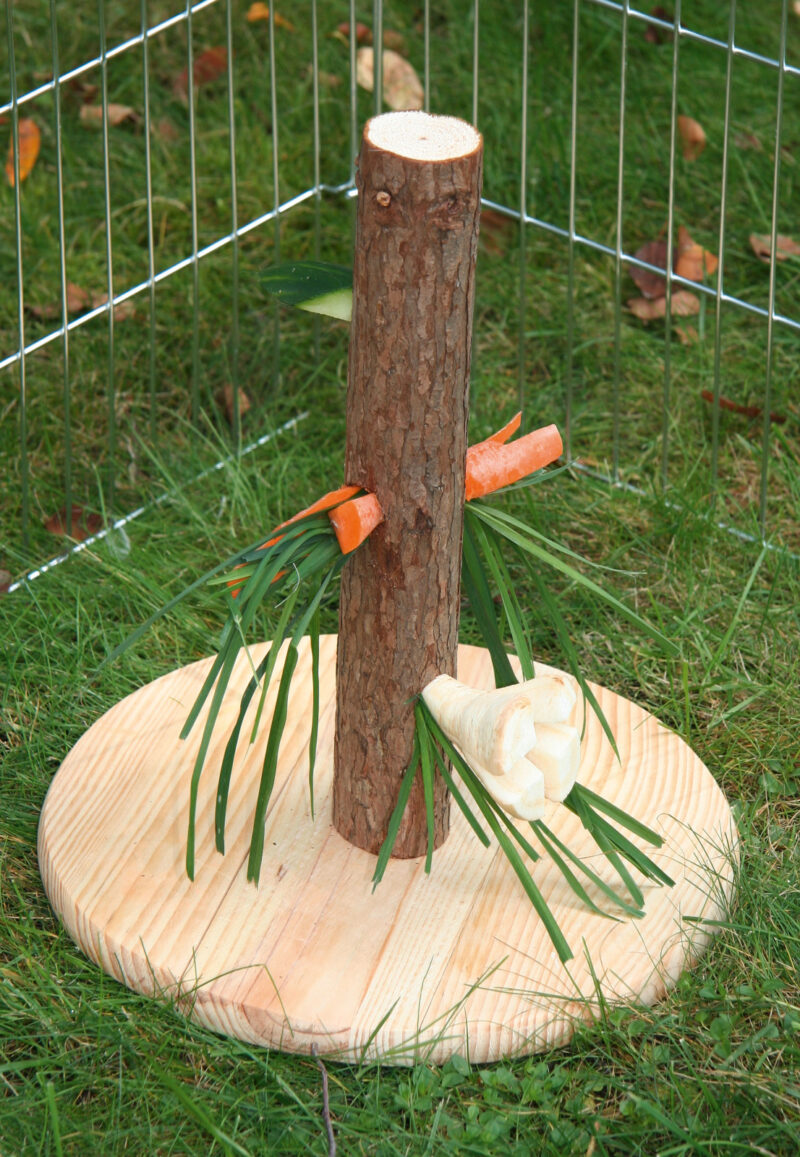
(452, 962)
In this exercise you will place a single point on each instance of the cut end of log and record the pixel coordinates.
(423, 137)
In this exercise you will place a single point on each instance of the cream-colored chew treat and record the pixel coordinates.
(491, 727)
(423, 137)
(557, 753)
(520, 792)
(550, 697)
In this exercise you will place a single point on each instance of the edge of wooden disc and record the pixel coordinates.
(424, 967)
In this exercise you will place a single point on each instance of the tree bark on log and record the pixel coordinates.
(419, 182)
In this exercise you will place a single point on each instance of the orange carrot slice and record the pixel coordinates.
(353, 521)
(492, 465)
(341, 494)
(504, 434)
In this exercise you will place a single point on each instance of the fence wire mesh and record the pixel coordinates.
(184, 149)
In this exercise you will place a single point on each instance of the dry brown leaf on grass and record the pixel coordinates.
(78, 301)
(650, 284)
(692, 261)
(363, 32)
(166, 129)
(122, 311)
(118, 114)
(495, 230)
(687, 335)
(81, 524)
(739, 408)
(785, 247)
(85, 91)
(401, 85)
(692, 137)
(655, 33)
(748, 140)
(259, 11)
(225, 399)
(30, 141)
(328, 79)
(209, 65)
(5, 581)
(684, 304)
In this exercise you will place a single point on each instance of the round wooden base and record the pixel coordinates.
(424, 967)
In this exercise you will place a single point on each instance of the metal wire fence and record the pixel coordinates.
(166, 198)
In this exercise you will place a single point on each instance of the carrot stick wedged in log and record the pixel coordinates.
(354, 520)
(341, 494)
(492, 465)
(503, 434)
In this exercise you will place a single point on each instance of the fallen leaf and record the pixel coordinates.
(5, 581)
(166, 129)
(495, 229)
(687, 335)
(118, 114)
(225, 399)
(684, 304)
(363, 33)
(78, 301)
(738, 408)
(394, 40)
(401, 85)
(785, 247)
(122, 311)
(30, 140)
(82, 523)
(207, 67)
(650, 284)
(328, 79)
(692, 136)
(692, 261)
(87, 92)
(259, 11)
(654, 33)
(748, 140)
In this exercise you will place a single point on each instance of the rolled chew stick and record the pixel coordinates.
(491, 465)
(491, 728)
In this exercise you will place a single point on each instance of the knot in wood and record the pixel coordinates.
(384, 199)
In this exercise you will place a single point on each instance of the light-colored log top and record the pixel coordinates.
(423, 137)
(425, 966)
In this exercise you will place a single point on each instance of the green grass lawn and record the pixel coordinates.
(87, 1066)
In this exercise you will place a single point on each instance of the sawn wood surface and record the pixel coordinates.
(423, 967)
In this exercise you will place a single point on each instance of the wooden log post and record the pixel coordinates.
(419, 183)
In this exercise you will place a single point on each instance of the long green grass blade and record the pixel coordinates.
(523, 537)
(427, 762)
(316, 286)
(270, 765)
(228, 635)
(458, 797)
(558, 623)
(226, 767)
(230, 653)
(565, 870)
(486, 540)
(278, 636)
(476, 588)
(312, 743)
(485, 802)
(387, 846)
(600, 804)
(589, 820)
(554, 846)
